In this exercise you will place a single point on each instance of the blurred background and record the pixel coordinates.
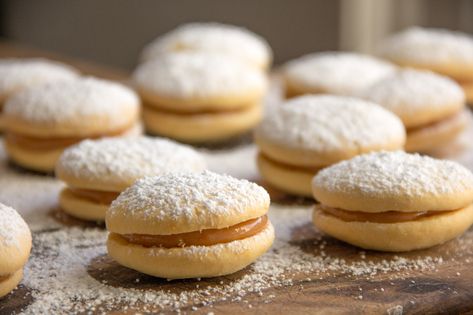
(112, 32)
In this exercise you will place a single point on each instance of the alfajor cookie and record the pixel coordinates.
(199, 97)
(431, 106)
(40, 122)
(230, 40)
(311, 132)
(15, 247)
(189, 225)
(443, 51)
(394, 201)
(18, 74)
(96, 171)
(338, 73)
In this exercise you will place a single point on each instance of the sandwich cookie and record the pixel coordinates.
(232, 41)
(336, 73)
(96, 171)
(431, 106)
(42, 121)
(199, 97)
(311, 132)
(15, 247)
(17, 74)
(189, 225)
(394, 201)
(443, 51)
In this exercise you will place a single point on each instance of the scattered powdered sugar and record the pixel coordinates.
(335, 72)
(17, 74)
(12, 226)
(33, 196)
(62, 101)
(230, 40)
(409, 92)
(58, 273)
(199, 75)
(124, 160)
(331, 123)
(396, 173)
(187, 197)
(429, 46)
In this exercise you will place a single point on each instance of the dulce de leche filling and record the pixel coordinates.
(201, 238)
(101, 197)
(380, 217)
(35, 143)
(435, 123)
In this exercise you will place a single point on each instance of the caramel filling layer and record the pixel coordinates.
(292, 167)
(435, 123)
(101, 197)
(381, 217)
(34, 143)
(201, 238)
(197, 112)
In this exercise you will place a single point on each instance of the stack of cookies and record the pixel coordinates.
(203, 82)
(311, 132)
(431, 106)
(394, 201)
(190, 225)
(199, 97)
(41, 121)
(96, 171)
(446, 52)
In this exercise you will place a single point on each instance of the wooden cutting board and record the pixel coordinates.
(439, 288)
(434, 281)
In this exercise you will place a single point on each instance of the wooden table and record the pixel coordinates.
(314, 274)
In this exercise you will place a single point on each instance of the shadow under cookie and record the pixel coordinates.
(24, 171)
(312, 241)
(63, 218)
(226, 144)
(105, 270)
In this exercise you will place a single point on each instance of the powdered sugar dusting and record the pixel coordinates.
(17, 74)
(409, 92)
(429, 46)
(198, 75)
(61, 101)
(186, 197)
(230, 40)
(337, 73)
(398, 174)
(124, 160)
(12, 226)
(327, 123)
